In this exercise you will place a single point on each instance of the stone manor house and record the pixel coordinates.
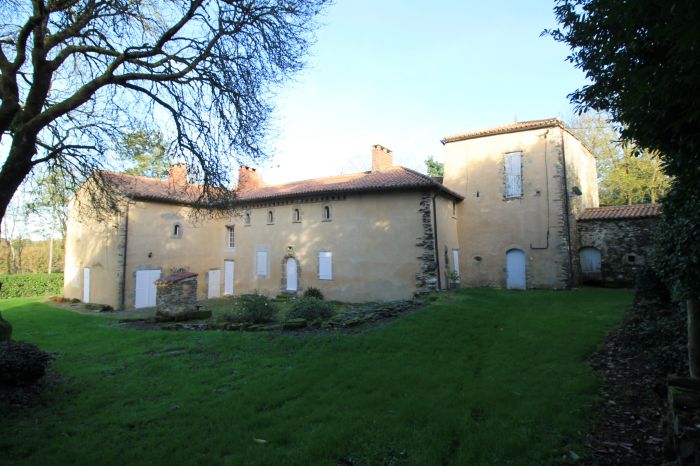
(517, 208)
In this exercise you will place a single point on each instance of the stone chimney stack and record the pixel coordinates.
(248, 178)
(381, 158)
(177, 175)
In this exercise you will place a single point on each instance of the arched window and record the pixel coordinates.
(296, 215)
(270, 217)
(326, 213)
(177, 231)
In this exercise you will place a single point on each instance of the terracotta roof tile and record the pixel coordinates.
(622, 212)
(396, 178)
(511, 128)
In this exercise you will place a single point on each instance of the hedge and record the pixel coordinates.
(31, 284)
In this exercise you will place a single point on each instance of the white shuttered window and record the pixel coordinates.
(325, 266)
(514, 174)
(261, 263)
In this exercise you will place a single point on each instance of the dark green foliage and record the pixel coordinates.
(5, 329)
(641, 59)
(649, 287)
(678, 242)
(21, 363)
(30, 284)
(253, 308)
(312, 292)
(310, 309)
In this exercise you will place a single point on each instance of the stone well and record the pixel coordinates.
(177, 297)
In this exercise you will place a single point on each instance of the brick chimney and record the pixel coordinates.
(381, 158)
(248, 178)
(177, 175)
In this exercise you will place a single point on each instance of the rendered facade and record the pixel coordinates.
(505, 216)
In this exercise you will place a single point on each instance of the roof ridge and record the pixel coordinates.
(502, 129)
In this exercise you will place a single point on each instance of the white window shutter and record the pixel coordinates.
(514, 179)
(261, 263)
(325, 266)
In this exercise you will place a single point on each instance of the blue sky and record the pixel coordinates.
(405, 74)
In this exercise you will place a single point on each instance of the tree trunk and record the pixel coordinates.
(693, 308)
(15, 169)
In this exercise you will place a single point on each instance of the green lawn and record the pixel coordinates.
(480, 377)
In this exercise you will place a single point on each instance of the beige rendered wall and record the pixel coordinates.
(489, 224)
(372, 238)
(94, 244)
(448, 239)
(581, 172)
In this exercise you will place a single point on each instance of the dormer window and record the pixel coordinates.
(296, 215)
(177, 231)
(326, 213)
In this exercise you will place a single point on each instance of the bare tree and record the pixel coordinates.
(75, 75)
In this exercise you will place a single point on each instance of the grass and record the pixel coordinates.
(481, 377)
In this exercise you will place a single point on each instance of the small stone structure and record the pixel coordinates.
(624, 237)
(177, 297)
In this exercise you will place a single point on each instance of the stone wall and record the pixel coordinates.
(177, 295)
(625, 246)
(426, 279)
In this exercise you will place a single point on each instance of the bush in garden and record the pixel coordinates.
(5, 329)
(312, 292)
(30, 284)
(253, 308)
(21, 363)
(310, 309)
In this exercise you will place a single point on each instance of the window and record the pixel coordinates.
(514, 175)
(261, 263)
(246, 218)
(177, 231)
(325, 265)
(296, 215)
(230, 237)
(454, 209)
(270, 217)
(326, 213)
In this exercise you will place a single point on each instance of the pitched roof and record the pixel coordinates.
(153, 189)
(618, 212)
(396, 178)
(511, 128)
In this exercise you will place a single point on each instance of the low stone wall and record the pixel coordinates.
(625, 246)
(177, 295)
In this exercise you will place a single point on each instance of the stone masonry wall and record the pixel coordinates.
(426, 279)
(625, 246)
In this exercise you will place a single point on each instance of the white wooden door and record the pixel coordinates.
(590, 260)
(214, 290)
(515, 270)
(86, 285)
(229, 269)
(146, 288)
(292, 279)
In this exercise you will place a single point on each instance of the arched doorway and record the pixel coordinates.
(516, 270)
(590, 264)
(292, 278)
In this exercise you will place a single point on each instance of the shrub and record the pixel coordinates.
(30, 284)
(253, 308)
(310, 309)
(5, 329)
(21, 363)
(312, 292)
(650, 287)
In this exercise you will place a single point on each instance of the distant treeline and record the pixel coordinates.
(27, 256)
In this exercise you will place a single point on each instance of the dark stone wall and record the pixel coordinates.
(625, 246)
